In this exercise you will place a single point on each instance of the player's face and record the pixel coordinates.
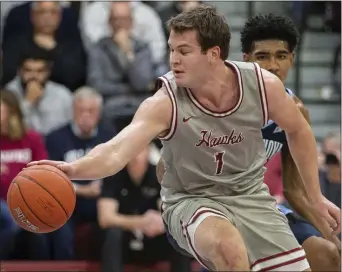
(272, 55)
(188, 63)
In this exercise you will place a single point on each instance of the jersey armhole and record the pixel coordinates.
(262, 92)
(171, 131)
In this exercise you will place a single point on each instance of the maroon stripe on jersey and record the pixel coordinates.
(261, 95)
(174, 118)
(263, 83)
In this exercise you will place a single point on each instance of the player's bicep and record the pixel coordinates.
(281, 107)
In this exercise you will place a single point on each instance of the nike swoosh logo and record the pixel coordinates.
(187, 119)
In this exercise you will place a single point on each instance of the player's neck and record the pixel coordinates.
(219, 81)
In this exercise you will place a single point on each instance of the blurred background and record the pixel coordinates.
(71, 79)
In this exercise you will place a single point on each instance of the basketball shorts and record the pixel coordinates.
(269, 240)
(301, 229)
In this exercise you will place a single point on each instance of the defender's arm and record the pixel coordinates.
(301, 141)
(294, 188)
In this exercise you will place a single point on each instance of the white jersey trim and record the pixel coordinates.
(262, 91)
(173, 125)
(225, 113)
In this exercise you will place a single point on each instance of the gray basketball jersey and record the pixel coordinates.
(208, 153)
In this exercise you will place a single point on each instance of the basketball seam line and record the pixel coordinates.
(67, 181)
(59, 203)
(22, 196)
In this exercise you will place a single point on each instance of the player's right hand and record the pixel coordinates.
(65, 167)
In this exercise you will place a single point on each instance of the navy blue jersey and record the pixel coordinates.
(274, 137)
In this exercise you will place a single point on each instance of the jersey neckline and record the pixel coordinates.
(225, 113)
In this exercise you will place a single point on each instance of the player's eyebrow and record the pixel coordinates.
(180, 46)
(263, 52)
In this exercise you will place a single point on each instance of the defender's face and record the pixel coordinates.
(188, 63)
(273, 56)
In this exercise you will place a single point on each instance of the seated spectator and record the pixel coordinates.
(68, 53)
(46, 105)
(16, 19)
(94, 16)
(129, 214)
(173, 10)
(18, 147)
(121, 66)
(330, 177)
(274, 178)
(69, 143)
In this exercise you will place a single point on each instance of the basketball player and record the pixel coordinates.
(208, 113)
(270, 41)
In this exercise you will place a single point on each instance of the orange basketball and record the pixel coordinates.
(41, 198)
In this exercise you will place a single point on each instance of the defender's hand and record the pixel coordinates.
(330, 213)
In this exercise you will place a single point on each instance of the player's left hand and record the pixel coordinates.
(330, 213)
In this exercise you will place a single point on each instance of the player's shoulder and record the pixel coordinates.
(243, 66)
(300, 105)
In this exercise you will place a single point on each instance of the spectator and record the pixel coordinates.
(120, 66)
(46, 104)
(68, 53)
(174, 9)
(69, 143)
(16, 19)
(128, 212)
(274, 178)
(147, 25)
(18, 147)
(330, 177)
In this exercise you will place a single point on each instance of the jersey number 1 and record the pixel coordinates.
(219, 162)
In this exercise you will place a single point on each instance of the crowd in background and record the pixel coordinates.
(73, 76)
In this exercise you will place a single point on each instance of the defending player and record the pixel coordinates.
(270, 41)
(209, 113)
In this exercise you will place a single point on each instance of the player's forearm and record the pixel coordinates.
(126, 222)
(302, 146)
(99, 163)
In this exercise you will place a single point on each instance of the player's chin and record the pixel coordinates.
(182, 82)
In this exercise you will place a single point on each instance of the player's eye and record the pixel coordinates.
(282, 57)
(261, 57)
(184, 52)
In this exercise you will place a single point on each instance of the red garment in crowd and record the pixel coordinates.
(273, 176)
(16, 154)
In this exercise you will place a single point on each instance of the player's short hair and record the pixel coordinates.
(268, 27)
(212, 29)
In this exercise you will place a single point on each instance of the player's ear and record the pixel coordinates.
(292, 57)
(215, 53)
(246, 57)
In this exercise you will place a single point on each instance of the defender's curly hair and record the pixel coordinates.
(268, 27)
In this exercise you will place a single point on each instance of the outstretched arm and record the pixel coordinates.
(302, 146)
(108, 158)
(294, 188)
